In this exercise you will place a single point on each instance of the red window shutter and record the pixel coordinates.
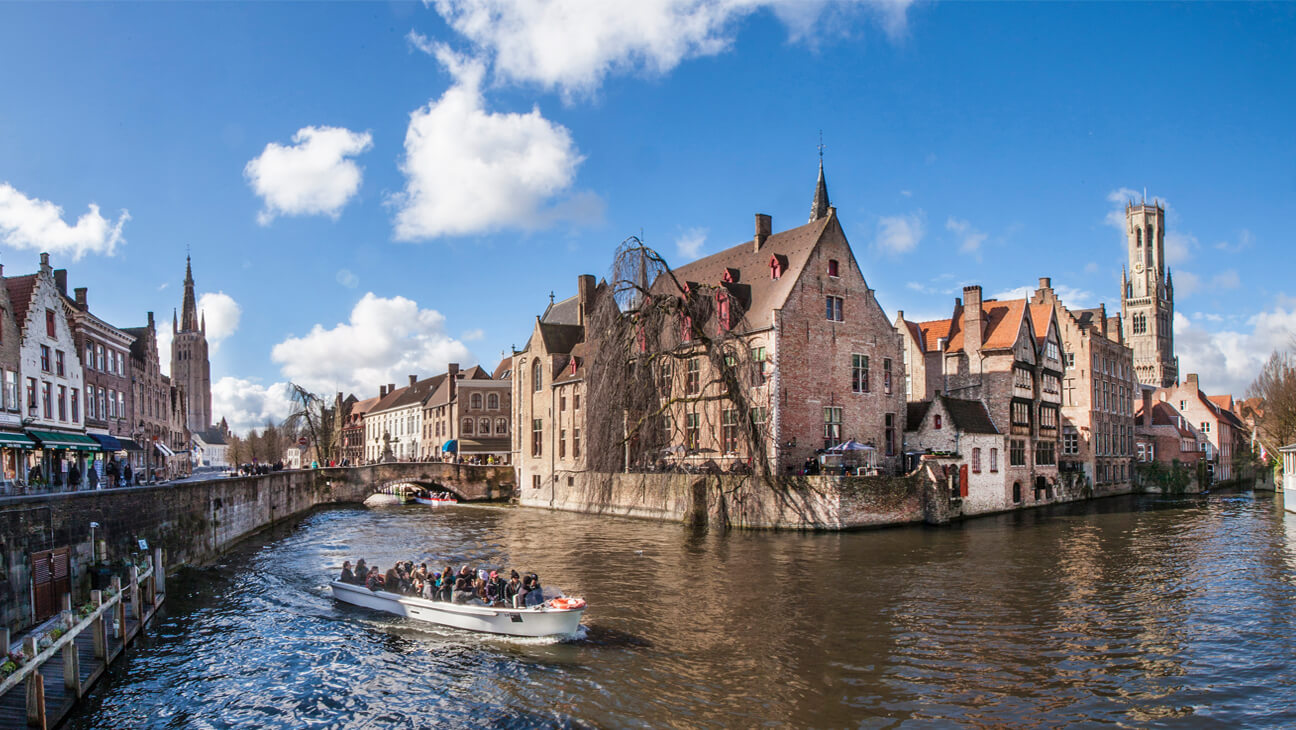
(963, 481)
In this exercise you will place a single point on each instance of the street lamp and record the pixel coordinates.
(94, 550)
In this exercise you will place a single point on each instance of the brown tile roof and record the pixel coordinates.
(364, 406)
(1001, 325)
(933, 332)
(560, 338)
(915, 412)
(969, 416)
(564, 372)
(20, 296)
(1224, 402)
(1163, 414)
(766, 293)
(504, 370)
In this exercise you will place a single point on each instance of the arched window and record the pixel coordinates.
(492, 401)
(1016, 492)
(484, 427)
(467, 426)
(476, 401)
(536, 376)
(1138, 238)
(501, 426)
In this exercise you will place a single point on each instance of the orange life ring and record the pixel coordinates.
(567, 603)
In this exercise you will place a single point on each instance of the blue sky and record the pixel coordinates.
(371, 190)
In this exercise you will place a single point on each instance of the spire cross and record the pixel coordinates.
(821, 145)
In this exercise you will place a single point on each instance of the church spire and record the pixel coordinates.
(819, 208)
(189, 312)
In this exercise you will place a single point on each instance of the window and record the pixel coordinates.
(758, 363)
(936, 422)
(1070, 441)
(1070, 359)
(1051, 383)
(722, 309)
(1016, 452)
(103, 364)
(1023, 378)
(692, 377)
(576, 402)
(483, 427)
(31, 396)
(859, 373)
(501, 426)
(47, 400)
(45, 358)
(976, 460)
(1044, 453)
(89, 359)
(467, 428)
(832, 426)
(58, 363)
(1048, 417)
(11, 390)
(562, 443)
(886, 375)
(575, 443)
(994, 460)
(890, 434)
(729, 431)
(1016, 496)
(537, 436)
(76, 410)
(667, 377)
(776, 267)
(758, 416)
(833, 309)
(832, 267)
(476, 401)
(535, 481)
(692, 430)
(49, 323)
(538, 384)
(492, 401)
(562, 401)
(686, 328)
(1021, 413)
(1051, 350)
(1205, 427)
(103, 405)
(112, 406)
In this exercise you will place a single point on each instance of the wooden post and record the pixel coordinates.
(4, 641)
(159, 575)
(71, 667)
(119, 611)
(97, 628)
(135, 593)
(36, 700)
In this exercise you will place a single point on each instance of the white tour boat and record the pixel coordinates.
(556, 617)
(436, 501)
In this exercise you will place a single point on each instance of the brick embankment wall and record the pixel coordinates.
(813, 503)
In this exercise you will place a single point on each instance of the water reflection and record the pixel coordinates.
(1131, 612)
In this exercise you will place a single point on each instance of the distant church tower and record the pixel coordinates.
(1147, 297)
(190, 369)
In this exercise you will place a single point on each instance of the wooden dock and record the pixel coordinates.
(43, 691)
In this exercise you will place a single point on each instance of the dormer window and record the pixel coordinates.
(778, 265)
(686, 328)
(832, 267)
(575, 363)
(731, 276)
(722, 309)
(936, 422)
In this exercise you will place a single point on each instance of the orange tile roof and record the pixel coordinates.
(932, 332)
(20, 295)
(1041, 315)
(1002, 323)
(1223, 401)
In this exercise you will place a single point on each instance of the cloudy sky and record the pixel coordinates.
(374, 190)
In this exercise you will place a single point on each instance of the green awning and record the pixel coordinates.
(8, 438)
(69, 441)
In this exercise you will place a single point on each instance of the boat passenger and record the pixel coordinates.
(463, 586)
(347, 575)
(519, 600)
(495, 587)
(511, 588)
(534, 596)
(392, 581)
(361, 571)
(375, 580)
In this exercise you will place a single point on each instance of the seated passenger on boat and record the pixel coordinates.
(347, 575)
(374, 581)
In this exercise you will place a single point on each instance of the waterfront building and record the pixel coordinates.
(211, 446)
(1225, 438)
(107, 366)
(1147, 297)
(923, 343)
(469, 415)
(190, 366)
(1165, 436)
(352, 439)
(15, 445)
(53, 379)
(150, 400)
(1289, 477)
(963, 433)
(179, 458)
(380, 427)
(396, 420)
(1007, 355)
(1099, 390)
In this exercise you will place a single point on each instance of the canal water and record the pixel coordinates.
(1133, 611)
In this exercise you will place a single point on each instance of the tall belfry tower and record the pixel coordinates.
(1147, 297)
(190, 368)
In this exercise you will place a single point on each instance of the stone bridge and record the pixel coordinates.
(469, 483)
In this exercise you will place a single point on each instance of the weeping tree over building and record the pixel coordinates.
(314, 419)
(672, 374)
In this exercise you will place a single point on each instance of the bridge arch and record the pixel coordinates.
(468, 483)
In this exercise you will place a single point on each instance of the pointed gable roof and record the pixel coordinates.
(1041, 317)
(1002, 324)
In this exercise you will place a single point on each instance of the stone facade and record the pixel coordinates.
(972, 451)
(1098, 394)
(190, 366)
(151, 400)
(1147, 297)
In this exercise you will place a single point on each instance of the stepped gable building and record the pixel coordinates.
(151, 401)
(1008, 356)
(829, 358)
(1147, 297)
(1099, 392)
(190, 367)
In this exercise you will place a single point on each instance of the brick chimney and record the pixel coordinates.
(1192, 381)
(45, 265)
(764, 226)
(973, 320)
(391, 388)
(382, 392)
(585, 290)
(60, 280)
(413, 380)
(1045, 283)
(452, 374)
(1146, 394)
(81, 298)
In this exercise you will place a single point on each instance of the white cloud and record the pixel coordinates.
(572, 45)
(1179, 247)
(222, 314)
(970, 239)
(346, 278)
(1227, 279)
(689, 244)
(164, 348)
(312, 176)
(468, 170)
(247, 404)
(473, 335)
(901, 233)
(384, 341)
(1227, 361)
(906, 193)
(1119, 198)
(31, 223)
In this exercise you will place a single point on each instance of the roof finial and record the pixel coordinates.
(821, 147)
(551, 297)
(819, 207)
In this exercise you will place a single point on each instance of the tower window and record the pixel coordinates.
(832, 267)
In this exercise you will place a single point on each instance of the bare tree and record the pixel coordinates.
(312, 418)
(1275, 386)
(672, 371)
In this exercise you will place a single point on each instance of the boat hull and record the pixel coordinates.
(436, 502)
(533, 622)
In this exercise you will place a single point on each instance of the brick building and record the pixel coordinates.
(964, 430)
(1165, 436)
(352, 439)
(107, 364)
(1225, 437)
(1098, 394)
(151, 402)
(1147, 297)
(15, 445)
